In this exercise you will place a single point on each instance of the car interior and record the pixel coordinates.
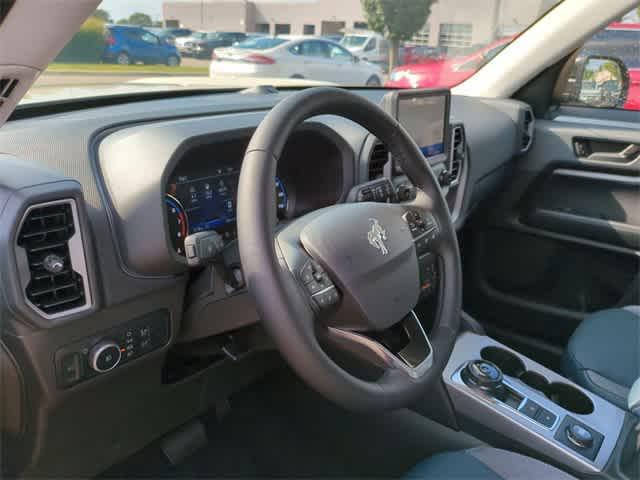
(322, 281)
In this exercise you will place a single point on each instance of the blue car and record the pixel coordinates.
(126, 45)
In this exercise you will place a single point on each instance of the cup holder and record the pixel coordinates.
(562, 394)
(569, 398)
(535, 381)
(507, 361)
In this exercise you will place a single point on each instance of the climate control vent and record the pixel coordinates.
(378, 159)
(458, 153)
(527, 131)
(7, 85)
(55, 267)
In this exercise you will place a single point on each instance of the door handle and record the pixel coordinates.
(609, 154)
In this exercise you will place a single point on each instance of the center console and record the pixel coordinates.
(525, 403)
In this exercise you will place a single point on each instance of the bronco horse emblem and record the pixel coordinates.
(377, 236)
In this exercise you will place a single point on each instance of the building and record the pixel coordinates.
(301, 17)
(452, 23)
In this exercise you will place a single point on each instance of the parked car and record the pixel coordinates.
(202, 44)
(619, 40)
(334, 37)
(444, 72)
(368, 46)
(125, 45)
(410, 54)
(294, 57)
(163, 34)
(179, 32)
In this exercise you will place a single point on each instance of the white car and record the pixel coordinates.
(366, 45)
(294, 57)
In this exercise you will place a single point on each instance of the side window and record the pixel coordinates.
(314, 49)
(371, 45)
(596, 78)
(336, 52)
(149, 38)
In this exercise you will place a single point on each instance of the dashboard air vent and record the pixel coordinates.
(527, 131)
(7, 85)
(378, 159)
(458, 153)
(50, 239)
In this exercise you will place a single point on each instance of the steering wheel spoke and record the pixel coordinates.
(405, 347)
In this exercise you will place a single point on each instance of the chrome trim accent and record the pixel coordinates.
(530, 131)
(384, 355)
(456, 181)
(97, 350)
(494, 401)
(76, 256)
(324, 290)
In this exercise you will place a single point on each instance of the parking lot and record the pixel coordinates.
(105, 74)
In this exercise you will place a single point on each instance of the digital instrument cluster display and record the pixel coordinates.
(196, 204)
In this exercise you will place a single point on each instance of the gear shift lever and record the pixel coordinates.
(483, 375)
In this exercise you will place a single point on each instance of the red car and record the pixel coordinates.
(619, 40)
(446, 72)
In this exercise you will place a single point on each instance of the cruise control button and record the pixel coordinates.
(313, 287)
(306, 273)
(422, 245)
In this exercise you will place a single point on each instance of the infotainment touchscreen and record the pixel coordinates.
(425, 116)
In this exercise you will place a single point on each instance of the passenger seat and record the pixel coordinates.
(603, 354)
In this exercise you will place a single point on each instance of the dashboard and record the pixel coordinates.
(132, 182)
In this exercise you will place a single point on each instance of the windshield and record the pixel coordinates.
(354, 41)
(139, 46)
(261, 43)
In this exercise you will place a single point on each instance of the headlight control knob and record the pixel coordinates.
(104, 356)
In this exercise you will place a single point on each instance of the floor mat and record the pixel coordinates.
(279, 428)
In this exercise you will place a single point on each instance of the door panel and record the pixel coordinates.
(563, 238)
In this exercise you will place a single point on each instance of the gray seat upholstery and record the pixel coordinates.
(603, 354)
(485, 463)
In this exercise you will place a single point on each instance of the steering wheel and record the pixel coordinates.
(342, 275)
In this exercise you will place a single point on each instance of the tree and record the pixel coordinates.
(102, 15)
(398, 20)
(141, 19)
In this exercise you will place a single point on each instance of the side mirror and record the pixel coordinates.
(355, 59)
(601, 82)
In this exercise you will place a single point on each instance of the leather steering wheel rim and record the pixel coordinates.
(285, 312)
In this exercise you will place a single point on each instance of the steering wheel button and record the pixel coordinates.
(313, 287)
(306, 273)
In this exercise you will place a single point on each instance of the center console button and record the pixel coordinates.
(580, 437)
(546, 418)
(530, 409)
